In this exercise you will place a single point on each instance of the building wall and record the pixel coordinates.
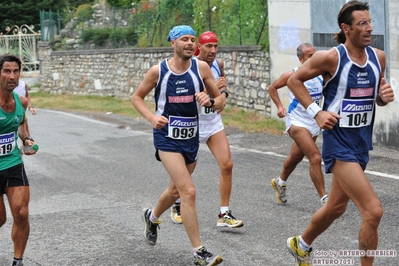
(118, 72)
(387, 127)
(290, 23)
(289, 26)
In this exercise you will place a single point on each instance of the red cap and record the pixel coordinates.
(206, 37)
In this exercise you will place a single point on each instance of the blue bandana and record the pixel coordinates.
(178, 31)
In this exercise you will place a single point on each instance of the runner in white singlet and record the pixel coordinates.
(23, 90)
(302, 128)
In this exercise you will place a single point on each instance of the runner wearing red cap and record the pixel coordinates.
(212, 133)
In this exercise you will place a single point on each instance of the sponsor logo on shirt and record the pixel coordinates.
(361, 92)
(356, 106)
(183, 122)
(180, 82)
(181, 99)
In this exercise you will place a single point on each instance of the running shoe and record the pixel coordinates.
(204, 258)
(18, 263)
(175, 213)
(280, 190)
(150, 228)
(302, 258)
(227, 219)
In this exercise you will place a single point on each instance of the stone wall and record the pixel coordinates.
(118, 72)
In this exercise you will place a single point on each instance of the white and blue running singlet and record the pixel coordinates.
(208, 115)
(297, 114)
(351, 92)
(175, 99)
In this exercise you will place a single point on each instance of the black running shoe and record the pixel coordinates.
(204, 258)
(150, 228)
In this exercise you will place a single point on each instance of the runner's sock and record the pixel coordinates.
(153, 218)
(224, 209)
(303, 245)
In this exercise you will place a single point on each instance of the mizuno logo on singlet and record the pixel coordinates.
(354, 107)
(184, 123)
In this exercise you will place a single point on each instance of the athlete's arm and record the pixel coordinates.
(30, 107)
(322, 63)
(221, 81)
(272, 89)
(147, 84)
(211, 88)
(23, 128)
(385, 92)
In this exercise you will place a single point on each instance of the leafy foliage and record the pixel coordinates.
(14, 12)
(123, 3)
(97, 36)
(121, 36)
(84, 12)
(236, 22)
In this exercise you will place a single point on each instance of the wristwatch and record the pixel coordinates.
(225, 92)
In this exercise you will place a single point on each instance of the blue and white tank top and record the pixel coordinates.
(208, 115)
(351, 92)
(315, 89)
(175, 99)
(21, 88)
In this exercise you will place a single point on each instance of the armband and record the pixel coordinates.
(225, 92)
(313, 109)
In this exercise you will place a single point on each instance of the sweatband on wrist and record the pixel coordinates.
(313, 109)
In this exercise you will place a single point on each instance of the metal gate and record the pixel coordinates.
(22, 41)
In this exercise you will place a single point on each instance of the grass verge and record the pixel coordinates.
(247, 121)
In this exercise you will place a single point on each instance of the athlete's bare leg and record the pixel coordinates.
(180, 175)
(307, 145)
(292, 160)
(219, 146)
(3, 215)
(349, 182)
(18, 198)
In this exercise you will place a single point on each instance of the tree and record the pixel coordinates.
(19, 12)
(124, 3)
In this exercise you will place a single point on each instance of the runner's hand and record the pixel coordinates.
(327, 120)
(158, 121)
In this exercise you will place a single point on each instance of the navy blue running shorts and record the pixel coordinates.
(189, 151)
(361, 158)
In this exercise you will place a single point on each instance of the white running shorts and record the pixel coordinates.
(208, 130)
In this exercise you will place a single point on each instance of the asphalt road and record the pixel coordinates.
(94, 173)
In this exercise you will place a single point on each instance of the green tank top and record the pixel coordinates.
(9, 122)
